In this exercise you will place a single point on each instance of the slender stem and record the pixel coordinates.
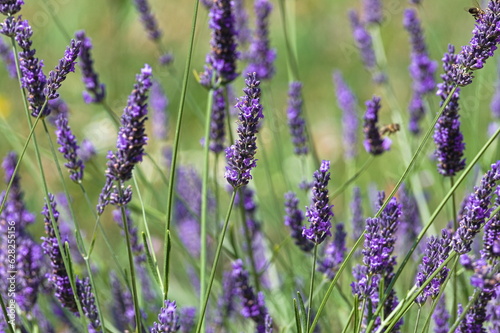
(454, 282)
(204, 197)
(214, 265)
(419, 312)
(175, 149)
(248, 240)
(358, 173)
(349, 320)
(311, 286)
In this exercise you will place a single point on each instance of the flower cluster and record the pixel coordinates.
(10, 7)
(148, 20)
(476, 211)
(240, 156)
(373, 11)
(7, 57)
(334, 253)
(65, 66)
(491, 237)
(296, 121)
(159, 104)
(320, 213)
(260, 55)
(293, 219)
(217, 133)
(168, 319)
(348, 104)
(86, 296)
(374, 143)
(69, 149)
(95, 91)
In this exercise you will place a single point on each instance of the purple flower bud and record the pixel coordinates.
(374, 143)
(293, 219)
(66, 65)
(358, 223)
(69, 148)
(320, 212)
(187, 319)
(168, 319)
(87, 150)
(148, 20)
(221, 61)
(131, 136)
(491, 237)
(159, 104)
(122, 306)
(217, 132)
(260, 55)
(95, 91)
(348, 104)
(225, 303)
(334, 253)
(10, 7)
(240, 156)
(441, 316)
(373, 11)
(447, 135)
(476, 211)
(244, 35)
(410, 219)
(166, 59)
(7, 56)
(254, 306)
(296, 121)
(363, 41)
(86, 296)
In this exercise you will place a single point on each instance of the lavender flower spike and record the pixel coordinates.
(8, 58)
(422, 69)
(334, 253)
(296, 121)
(148, 20)
(168, 319)
(374, 143)
(320, 213)
(84, 290)
(441, 316)
(491, 237)
(240, 156)
(66, 65)
(254, 306)
(10, 7)
(485, 37)
(476, 211)
(348, 104)
(293, 219)
(260, 55)
(69, 148)
(159, 104)
(131, 136)
(363, 41)
(373, 11)
(95, 91)
(217, 132)
(221, 61)
(447, 135)
(58, 276)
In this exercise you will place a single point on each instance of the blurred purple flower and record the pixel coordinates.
(8, 58)
(95, 91)
(363, 41)
(225, 303)
(334, 253)
(320, 212)
(441, 316)
(374, 143)
(260, 55)
(491, 237)
(148, 20)
(293, 219)
(159, 104)
(348, 104)
(87, 150)
(411, 223)
(358, 223)
(296, 121)
(187, 317)
(217, 132)
(373, 11)
(122, 306)
(244, 35)
(69, 148)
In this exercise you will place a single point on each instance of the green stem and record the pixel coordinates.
(419, 312)
(204, 197)
(311, 286)
(349, 320)
(358, 173)
(214, 265)
(454, 282)
(248, 240)
(175, 149)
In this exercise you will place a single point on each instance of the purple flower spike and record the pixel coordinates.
(320, 212)
(10, 7)
(148, 20)
(422, 69)
(159, 104)
(296, 121)
(217, 132)
(293, 219)
(95, 91)
(89, 308)
(187, 319)
(374, 143)
(436, 252)
(221, 61)
(373, 11)
(254, 306)
(476, 211)
(363, 41)
(491, 237)
(260, 55)
(168, 319)
(131, 136)
(33, 79)
(485, 37)
(58, 276)
(447, 135)
(240, 156)
(66, 65)
(334, 253)
(241, 23)
(348, 104)
(441, 316)
(8, 58)
(69, 149)
(358, 223)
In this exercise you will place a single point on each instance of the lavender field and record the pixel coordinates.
(250, 166)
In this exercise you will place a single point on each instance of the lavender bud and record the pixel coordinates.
(148, 20)
(373, 11)
(66, 65)
(122, 307)
(187, 319)
(159, 104)
(320, 212)
(491, 237)
(86, 296)
(69, 149)
(296, 121)
(8, 58)
(348, 104)
(225, 304)
(358, 223)
(244, 35)
(10, 7)
(363, 41)
(334, 253)
(87, 150)
(240, 156)
(374, 143)
(168, 319)
(441, 316)
(217, 132)
(476, 211)
(95, 91)
(260, 55)
(293, 219)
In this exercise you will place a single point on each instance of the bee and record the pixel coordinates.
(389, 129)
(475, 11)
